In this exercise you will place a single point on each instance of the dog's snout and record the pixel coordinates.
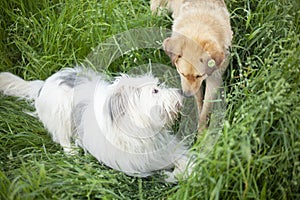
(180, 92)
(187, 94)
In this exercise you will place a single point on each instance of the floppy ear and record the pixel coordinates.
(117, 105)
(214, 51)
(173, 47)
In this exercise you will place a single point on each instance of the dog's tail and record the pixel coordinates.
(12, 85)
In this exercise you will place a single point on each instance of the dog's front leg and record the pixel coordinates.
(213, 83)
(199, 101)
(183, 169)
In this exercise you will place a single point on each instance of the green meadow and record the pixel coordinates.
(257, 156)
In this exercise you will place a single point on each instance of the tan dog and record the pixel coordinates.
(198, 47)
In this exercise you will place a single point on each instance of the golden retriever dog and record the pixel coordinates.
(199, 48)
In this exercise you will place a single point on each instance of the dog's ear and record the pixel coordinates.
(173, 47)
(117, 105)
(214, 51)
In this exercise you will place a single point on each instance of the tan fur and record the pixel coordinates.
(201, 32)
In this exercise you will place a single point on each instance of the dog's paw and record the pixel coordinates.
(70, 151)
(169, 177)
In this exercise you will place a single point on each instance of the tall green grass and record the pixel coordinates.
(256, 157)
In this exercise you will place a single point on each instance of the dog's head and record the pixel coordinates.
(194, 60)
(141, 103)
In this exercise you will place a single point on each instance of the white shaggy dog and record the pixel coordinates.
(123, 124)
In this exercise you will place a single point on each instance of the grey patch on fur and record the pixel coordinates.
(69, 80)
(117, 106)
(76, 121)
(39, 92)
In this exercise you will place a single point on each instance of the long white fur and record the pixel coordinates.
(12, 85)
(123, 124)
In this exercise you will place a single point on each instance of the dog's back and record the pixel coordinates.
(53, 99)
(204, 19)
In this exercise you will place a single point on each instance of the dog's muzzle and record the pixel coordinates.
(180, 92)
(187, 94)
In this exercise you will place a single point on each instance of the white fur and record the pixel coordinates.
(123, 124)
(12, 85)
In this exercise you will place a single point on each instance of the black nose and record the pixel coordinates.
(180, 92)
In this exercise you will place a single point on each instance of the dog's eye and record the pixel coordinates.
(198, 76)
(155, 91)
